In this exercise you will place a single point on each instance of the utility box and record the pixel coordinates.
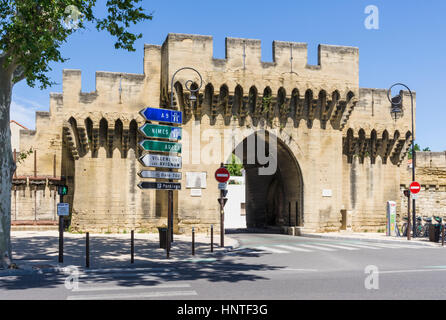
(391, 219)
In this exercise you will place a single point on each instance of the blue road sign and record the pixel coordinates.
(162, 115)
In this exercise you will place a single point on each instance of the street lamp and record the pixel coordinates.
(397, 109)
(192, 99)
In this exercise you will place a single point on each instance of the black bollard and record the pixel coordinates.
(87, 250)
(132, 247)
(193, 241)
(167, 244)
(212, 238)
(442, 234)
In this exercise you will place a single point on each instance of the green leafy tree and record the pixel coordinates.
(31, 34)
(235, 166)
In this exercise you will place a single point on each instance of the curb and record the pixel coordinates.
(412, 243)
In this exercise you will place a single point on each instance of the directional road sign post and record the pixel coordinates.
(160, 185)
(160, 161)
(157, 131)
(160, 174)
(162, 115)
(160, 146)
(150, 130)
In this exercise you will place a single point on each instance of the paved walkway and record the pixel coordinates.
(40, 249)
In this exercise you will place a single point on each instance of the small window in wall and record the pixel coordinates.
(242, 209)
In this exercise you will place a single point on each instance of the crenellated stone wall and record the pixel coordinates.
(430, 172)
(338, 147)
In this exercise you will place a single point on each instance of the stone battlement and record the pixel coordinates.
(243, 65)
(430, 159)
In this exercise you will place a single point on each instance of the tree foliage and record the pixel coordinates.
(235, 166)
(32, 31)
(31, 35)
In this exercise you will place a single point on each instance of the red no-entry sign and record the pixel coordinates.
(415, 187)
(222, 175)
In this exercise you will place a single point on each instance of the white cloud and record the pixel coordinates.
(25, 113)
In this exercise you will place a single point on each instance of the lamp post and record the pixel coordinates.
(192, 99)
(397, 108)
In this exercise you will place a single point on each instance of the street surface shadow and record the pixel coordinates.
(114, 253)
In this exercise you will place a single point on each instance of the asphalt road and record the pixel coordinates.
(266, 266)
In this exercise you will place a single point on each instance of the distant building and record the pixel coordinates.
(15, 134)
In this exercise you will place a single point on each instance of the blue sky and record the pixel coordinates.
(408, 47)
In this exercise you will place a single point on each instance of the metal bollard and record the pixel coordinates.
(212, 238)
(193, 241)
(167, 244)
(87, 250)
(132, 247)
(442, 235)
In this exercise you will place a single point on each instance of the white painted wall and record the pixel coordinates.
(236, 196)
(15, 135)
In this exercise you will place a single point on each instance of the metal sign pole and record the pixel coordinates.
(222, 219)
(408, 229)
(61, 234)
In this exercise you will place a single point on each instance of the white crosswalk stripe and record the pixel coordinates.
(310, 246)
(320, 246)
(270, 249)
(143, 292)
(338, 246)
(362, 246)
(294, 248)
(133, 295)
(396, 246)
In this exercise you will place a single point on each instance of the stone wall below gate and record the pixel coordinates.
(431, 174)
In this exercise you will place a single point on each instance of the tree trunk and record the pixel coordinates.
(7, 168)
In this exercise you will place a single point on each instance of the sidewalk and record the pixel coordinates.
(39, 250)
(371, 237)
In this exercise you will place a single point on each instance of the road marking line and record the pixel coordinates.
(396, 246)
(413, 270)
(139, 287)
(338, 246)
(133, 295)
(362, 246)
(316, 247)
(270, 249)
(294, 248)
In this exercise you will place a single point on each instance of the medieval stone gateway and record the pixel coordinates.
(338, 149)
